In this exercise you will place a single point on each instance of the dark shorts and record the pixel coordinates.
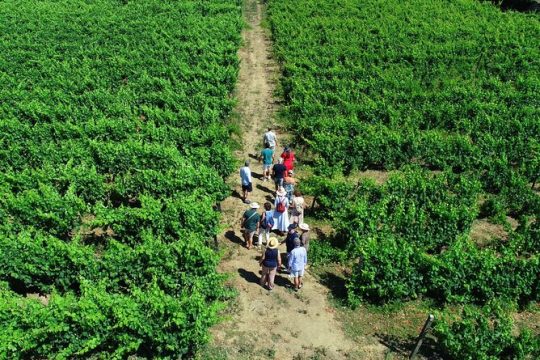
(248, 187)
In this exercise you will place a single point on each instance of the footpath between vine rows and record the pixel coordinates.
(280, 324)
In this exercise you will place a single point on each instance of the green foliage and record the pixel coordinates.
(331, 194)
(485, 333)
(443, 84)
(427, 210)
(390, 269)
(387, 270)
(325, 251)
(107, 325)
(448, 86)
(411, 238)
(466, 274)
(115, 143)
(526, 239)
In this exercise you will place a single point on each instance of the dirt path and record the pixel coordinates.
(280, 324)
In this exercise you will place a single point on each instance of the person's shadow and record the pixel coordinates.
(264, 188)
(251, 277)
(232, 237)
(282, 280)
(236, 194)
(257, 175)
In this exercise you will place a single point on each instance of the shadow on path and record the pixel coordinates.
(404, 346)
(336, 285)
(236, 194)
(232, 237)
(249, 276)
(280, 280)
(264, 188)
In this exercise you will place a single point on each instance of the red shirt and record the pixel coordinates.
(288, 160)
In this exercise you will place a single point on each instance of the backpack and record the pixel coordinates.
(267, 222)
(281, 207)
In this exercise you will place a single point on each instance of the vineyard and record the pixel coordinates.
(116, 125)
(115, 143)
(445, 95)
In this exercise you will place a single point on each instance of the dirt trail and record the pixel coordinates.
(280, 324)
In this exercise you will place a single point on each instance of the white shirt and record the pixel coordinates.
(270, 138)
(245, 175)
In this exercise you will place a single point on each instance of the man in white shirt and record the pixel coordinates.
(270, 138)
(245, 177)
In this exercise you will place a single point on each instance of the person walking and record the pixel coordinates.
(270, 262)
(250, 224)
(267, 157)
(292, 234)
(270, 139)
(245, 178)
(288, 158)
(267, 223)
(297, 208)
(304, 235)
(297, 261)
(281, 217)
(289, 182)
(278, 171)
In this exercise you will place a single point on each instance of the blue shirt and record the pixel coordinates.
(289, 240)
(271, 258)
(298, 259)
(267, 156)
(279, 171)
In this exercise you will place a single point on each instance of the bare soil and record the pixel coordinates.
(483, 231)
(281, 324)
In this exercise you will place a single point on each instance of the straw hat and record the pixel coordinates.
(273, 243)
(281, 192)
(304, 227)
(254, 205)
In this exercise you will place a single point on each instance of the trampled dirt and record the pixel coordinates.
(281, 324)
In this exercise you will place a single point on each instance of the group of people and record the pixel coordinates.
(285, 217)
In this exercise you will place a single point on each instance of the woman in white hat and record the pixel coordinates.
(281, 215)
(304, 236)
(270, 261)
